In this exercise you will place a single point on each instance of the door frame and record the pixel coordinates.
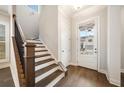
(97, 18)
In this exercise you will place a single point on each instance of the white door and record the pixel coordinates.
(65, 28)
(4, 39)
(87, 43)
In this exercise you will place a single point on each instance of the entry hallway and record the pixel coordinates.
(6, 78)
(83, 77)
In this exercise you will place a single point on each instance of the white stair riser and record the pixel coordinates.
(33, 41)
(44, 65)
(52, 83)
(40, 48)
(37, 79)
(42, 58)
(40, 53)
(39, 45)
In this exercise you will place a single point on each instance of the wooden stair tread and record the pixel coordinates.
(43, 55)
(44, 70)
(44, 61)
(48, 79)
(35, 41)
(39, 46)
(40, 50)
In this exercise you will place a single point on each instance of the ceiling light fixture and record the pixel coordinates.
(77, 7)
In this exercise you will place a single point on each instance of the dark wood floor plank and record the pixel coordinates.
(6, 78)
(83, 77)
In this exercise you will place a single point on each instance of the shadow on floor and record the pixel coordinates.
(6, 78)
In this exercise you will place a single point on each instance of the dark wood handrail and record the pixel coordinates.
(19, 41)
(20, 70)
(26, 53)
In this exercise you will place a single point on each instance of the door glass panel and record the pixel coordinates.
(2, 41)
(87, 38)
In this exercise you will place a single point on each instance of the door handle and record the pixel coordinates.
(62, 50)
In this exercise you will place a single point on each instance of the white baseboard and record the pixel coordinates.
(4, 65)
(122, 70)
(114, 82)
(73, 64)
(107, 76)
(102, 71)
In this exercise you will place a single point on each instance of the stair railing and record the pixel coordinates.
(26, 51)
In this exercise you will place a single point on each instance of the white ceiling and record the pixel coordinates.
(70, 9)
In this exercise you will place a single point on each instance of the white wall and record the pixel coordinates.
(29, 21)
(114, 44)
(49, 27)
(122, 39)
(85, 14)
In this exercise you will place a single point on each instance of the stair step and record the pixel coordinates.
(40, 47)
(41, 66)
(37, 43)
(40, 50)
(36, 49)
(44, 61)
(46, 81)
(43, 55)
(45, 74)
(42, 58)
(44, 70)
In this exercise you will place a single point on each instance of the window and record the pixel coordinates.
(34, 8)
(87, 38)
(2, 41)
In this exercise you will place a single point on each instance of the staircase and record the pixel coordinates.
(36, 66)
(47, 70)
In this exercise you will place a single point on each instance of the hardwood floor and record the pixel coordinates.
(6, 78)
(122, 79)
(83, 77)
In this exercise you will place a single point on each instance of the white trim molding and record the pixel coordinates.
(114, 82)
(74, 64)
(102, 71)
(4, 65)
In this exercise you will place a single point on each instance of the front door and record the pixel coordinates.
(87, 43)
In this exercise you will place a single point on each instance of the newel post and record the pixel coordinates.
(29, 64)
